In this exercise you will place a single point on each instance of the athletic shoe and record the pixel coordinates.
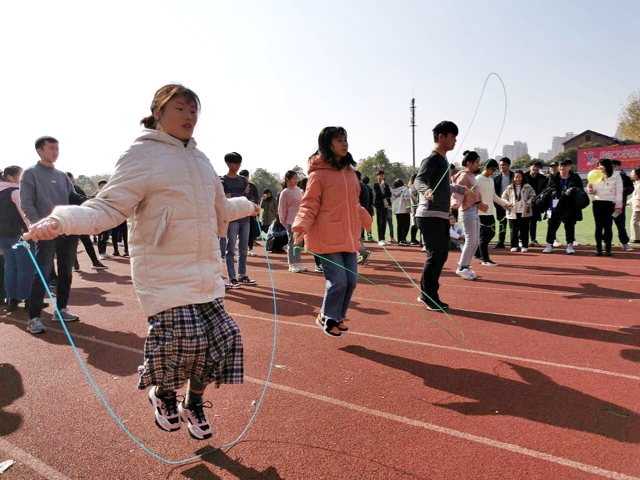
(321, 323)
(414, 243)
(534, 244)
(166, 410)
(197, 424)
(244, 280)
(524, 250)
(465, 273)
(105, 256)
(556, 243)
(513, 249)
(116, 253)
(627, 248)
(383, 243)
(294, 268)
(576, 243)
(489, 263)
(548, 248)
(34, 325)
(424, 249)
(76, 267)
(251, 253)
(570, 249)
(126, 254)
(234, 284)
(319, 269)
(520, 244)
(12, 305)
(99, 266)
(608, 254)
(364, 256)
(67, 316)
(597, 254)
(473, 273)
(302, 267)
(434, 307)
(392, 240)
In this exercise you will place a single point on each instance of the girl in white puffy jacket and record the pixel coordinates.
(401, 197)
(177, 209)
(607, 201)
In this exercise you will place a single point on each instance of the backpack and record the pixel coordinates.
(541, 201)
(579, 197)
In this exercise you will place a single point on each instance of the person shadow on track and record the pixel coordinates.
(11, 389)
(221, 460)
(537, 397)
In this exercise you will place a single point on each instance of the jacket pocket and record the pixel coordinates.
(332, 233)
(163, 224)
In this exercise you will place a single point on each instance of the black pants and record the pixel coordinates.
(569, 229)
(65, 248)
(253, 232)
(381, 219)
(404, 222)
(414, 233)
(103, 238)
(436, 238)
(602, 211)
(117, 233)
(621, 225)
(3, 294)
(88, 247)
(519, 231)
(533, 227)
(501, 216)
(487, 232)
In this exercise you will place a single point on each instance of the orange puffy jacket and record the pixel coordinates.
(330, 214)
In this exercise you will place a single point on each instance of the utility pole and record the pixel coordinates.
(413, 129)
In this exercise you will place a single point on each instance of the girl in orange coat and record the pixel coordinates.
(330, 219)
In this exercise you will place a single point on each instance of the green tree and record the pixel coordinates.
(262, 179)
(629, 126)
(370, 165)
(522, 161)
(86, 184)
(300, 172)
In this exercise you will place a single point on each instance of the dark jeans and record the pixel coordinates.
(519, 231)
(621, 225)
(103, 238)
(436, 238)
(487, 232)
(404, 222)
(569, 229)
(88, 247)
(501, 216)
(340, 283)
(533, 227)
(65, 248)
(381, 221)
(602, 211)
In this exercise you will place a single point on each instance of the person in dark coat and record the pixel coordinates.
(563, 208)
(501, 181)
(537, 181)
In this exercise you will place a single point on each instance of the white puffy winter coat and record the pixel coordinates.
(609, 189)
(177, 209)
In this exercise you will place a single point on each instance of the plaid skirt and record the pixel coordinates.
(199, 342)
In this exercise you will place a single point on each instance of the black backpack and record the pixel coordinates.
(541, 201)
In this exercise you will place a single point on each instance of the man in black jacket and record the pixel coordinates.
(382, 204)
(501, 181)
(365, 180)
(563, 208)
(253, 196)
(537, 181)
(621, 220)
(433, 183)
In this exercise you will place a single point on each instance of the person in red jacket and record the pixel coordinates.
(330, 220)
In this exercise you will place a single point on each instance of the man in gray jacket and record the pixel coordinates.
(42, 188)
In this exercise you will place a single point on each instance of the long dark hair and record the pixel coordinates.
(288, 176)
(608, 166)
(327, 135)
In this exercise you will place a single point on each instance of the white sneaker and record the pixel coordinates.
(627, 248)
(198, 425)
(575, 243)
(302, 268)
(534, 244)
(514, 249)
(251, 253)
(557, 244)
(475, 277)
(383, 243)
(548, 248)
(424, 249)
(166, 410)
(294, 268)
(67, 316)
(467, 274)
(34, 325)
(520, 243)
(490, 263)
(524, 250)
(570, 249)
(319, 269)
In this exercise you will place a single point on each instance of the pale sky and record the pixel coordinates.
(272, 74)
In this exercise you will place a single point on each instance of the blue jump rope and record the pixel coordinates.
(26, 245)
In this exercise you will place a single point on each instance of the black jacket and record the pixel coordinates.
(379, 196)
(497, 182)
(537, 183)
(627, 186)
(567, 209)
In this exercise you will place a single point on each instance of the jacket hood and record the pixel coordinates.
(396, 192)
(5, 185)
(158, 136)
(316, 162)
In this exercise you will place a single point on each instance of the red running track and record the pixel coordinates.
(545, 385)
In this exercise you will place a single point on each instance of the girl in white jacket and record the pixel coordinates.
(177, 209)
(607, 201)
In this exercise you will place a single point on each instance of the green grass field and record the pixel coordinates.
(585, 230)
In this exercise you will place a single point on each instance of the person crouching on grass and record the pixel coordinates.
(330, 220)
(178, 209)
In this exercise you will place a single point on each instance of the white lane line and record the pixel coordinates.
(451, 432)
(395, 418)
(456, 349)
(38, 466)
(378, 337)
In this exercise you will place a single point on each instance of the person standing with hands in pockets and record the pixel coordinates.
(330, 220)
(178, 209)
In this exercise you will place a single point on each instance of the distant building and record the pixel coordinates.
(590, 136)
(516, 150)
(483, 153)
(556, 147)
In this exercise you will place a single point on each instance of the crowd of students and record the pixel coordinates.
(185, 220)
